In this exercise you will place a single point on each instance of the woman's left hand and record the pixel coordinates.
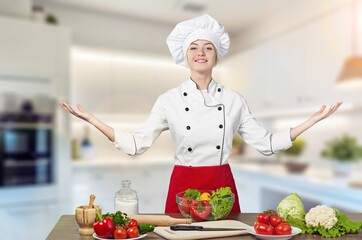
(325, 112)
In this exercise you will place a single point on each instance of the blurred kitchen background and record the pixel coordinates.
(287, 58)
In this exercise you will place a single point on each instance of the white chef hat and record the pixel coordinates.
(203, 27)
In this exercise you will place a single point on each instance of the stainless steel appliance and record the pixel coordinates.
(26, 146)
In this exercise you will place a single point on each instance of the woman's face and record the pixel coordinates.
(201, 55)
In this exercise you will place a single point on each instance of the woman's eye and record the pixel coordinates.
(209, 48)
(192, 48)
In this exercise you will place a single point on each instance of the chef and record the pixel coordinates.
(202, 116)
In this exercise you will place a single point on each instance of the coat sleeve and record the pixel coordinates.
(142, 138)
(265, 142)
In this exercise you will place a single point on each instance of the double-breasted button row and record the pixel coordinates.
(188, 109)
(218, 147)
(189, 128)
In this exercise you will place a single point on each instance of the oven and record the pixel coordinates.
(26, 149)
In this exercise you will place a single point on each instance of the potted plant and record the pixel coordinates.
(296, 149)
(344, 151)
(291, 156)
(238, 145)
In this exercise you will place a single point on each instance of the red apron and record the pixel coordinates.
(203, 178)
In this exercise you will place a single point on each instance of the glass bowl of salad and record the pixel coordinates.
(205, 205)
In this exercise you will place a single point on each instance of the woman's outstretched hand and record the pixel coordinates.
(323, 113)
(80, 112)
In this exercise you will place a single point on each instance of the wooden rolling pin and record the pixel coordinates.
(160, 220)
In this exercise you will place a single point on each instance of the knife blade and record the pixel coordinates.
(201, 228)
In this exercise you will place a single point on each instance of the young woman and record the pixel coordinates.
(202, 115)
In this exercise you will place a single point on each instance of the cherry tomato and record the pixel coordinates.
(262, 218)
(132, 223)
(133, 232)
(185, 204)
(275, 220)
(271, 212)
(263, 228)
(120, 233)
(283, 229)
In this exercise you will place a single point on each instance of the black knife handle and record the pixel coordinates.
(185, 227)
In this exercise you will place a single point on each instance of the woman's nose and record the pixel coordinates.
(201, 53)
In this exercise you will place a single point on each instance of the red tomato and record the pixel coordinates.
(262, 218)
(263, 228)
(133, 232)
(271, 212)
(132, 223)
(120, 233)
(275, 220)
(186, 203)
(283, 229)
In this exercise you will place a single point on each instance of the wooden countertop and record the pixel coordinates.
(67, 228)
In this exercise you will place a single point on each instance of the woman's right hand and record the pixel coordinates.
(80, 112)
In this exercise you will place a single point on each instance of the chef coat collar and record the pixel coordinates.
(211, 88)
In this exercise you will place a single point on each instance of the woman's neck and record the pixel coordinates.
(202, 80)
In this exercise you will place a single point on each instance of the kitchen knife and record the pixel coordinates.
(201, 228)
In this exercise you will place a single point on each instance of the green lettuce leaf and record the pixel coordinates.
(343, 226)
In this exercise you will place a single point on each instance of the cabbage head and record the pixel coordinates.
(291, 206)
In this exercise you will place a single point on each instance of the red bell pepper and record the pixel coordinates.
(104, 228)
(200, 210)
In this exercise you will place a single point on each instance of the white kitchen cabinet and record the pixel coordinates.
(329, 44)
(33, 49)
(116, 83)
(297, 69)
(93, 82)
(30, 221)
(251, 69)
(286, 70)
(150, 182)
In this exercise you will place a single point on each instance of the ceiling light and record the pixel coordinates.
(351, 73)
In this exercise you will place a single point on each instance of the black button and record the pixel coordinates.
(221, 126)
(219, 108)
(187, 109)
(218, 147)
(219, 89)
(188, 127)
(185, 94)
(189, 149)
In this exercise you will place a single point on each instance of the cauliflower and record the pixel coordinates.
(321, 215)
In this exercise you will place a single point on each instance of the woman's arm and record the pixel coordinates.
(87, 116)
(323, 113)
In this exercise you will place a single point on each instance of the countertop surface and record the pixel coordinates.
(67, 228)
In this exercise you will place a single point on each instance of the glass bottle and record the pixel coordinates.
(87, 149)
(126, 199)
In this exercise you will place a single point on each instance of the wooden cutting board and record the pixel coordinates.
(169, 234)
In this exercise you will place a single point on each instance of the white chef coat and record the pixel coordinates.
(202, 124)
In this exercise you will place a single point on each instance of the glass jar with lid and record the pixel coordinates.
(126, 199)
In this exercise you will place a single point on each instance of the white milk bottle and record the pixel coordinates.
(126, 199)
